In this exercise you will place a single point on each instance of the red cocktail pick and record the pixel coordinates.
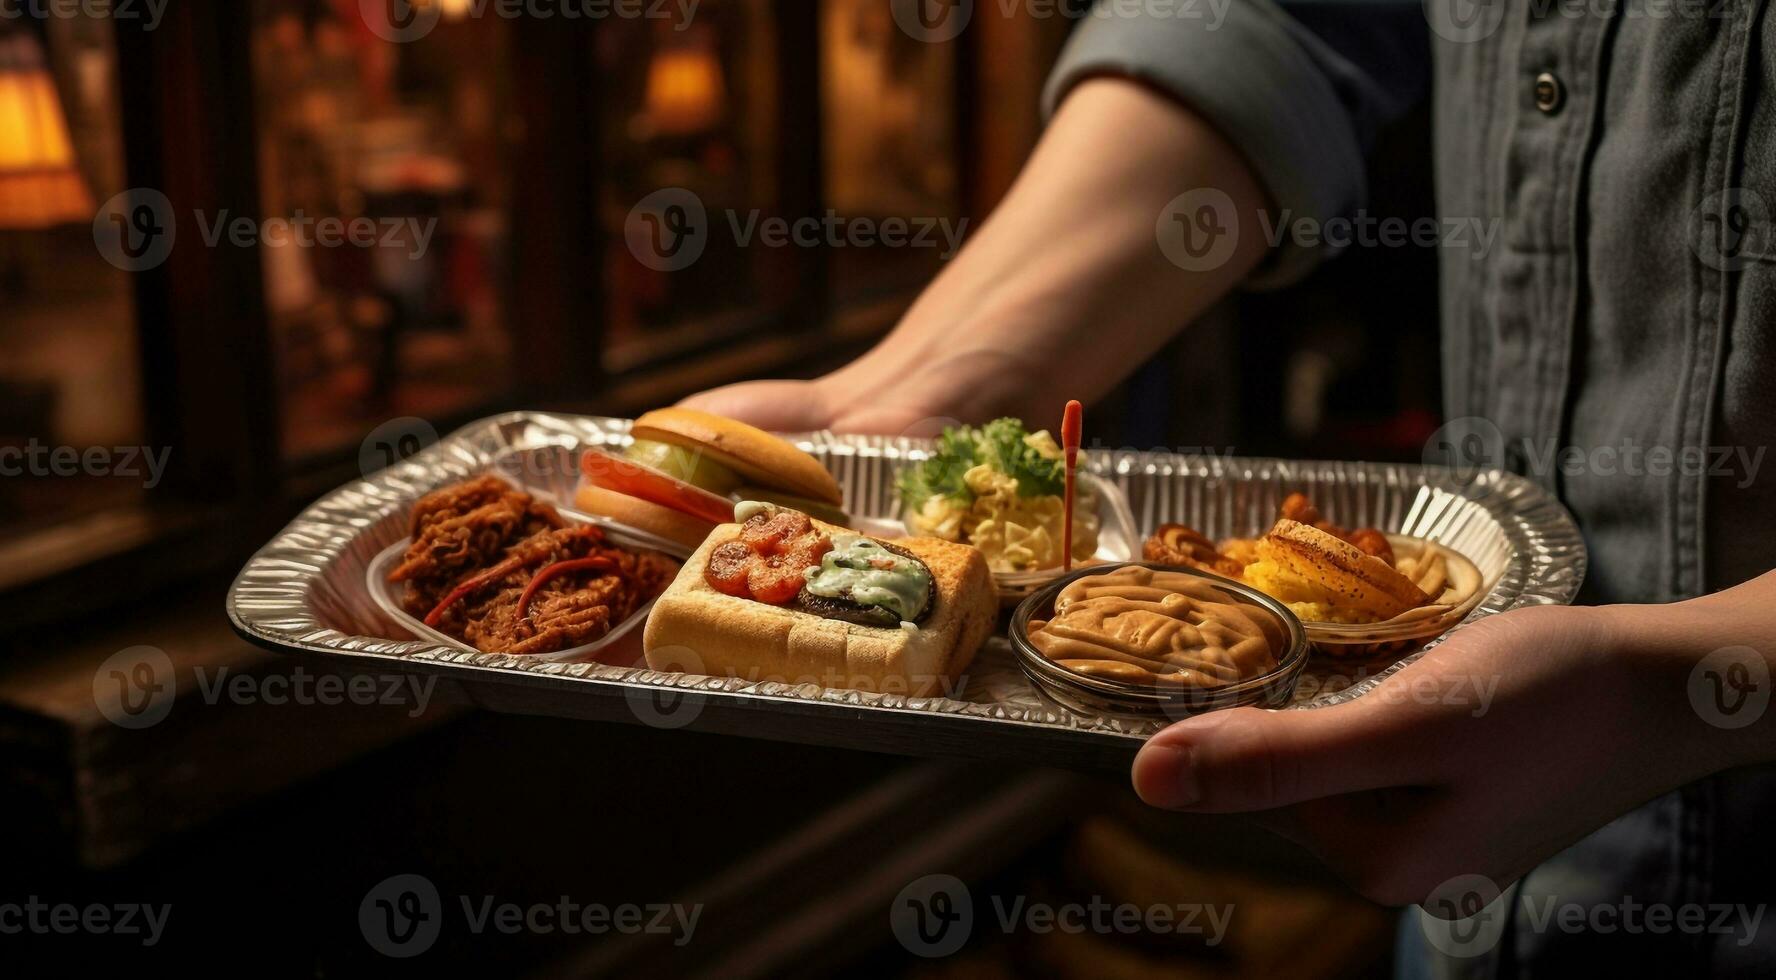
(1071, 422)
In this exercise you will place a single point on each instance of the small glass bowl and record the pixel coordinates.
(1089, 695)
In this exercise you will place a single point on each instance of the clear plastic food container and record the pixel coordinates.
(387, 595)
(1118, 541)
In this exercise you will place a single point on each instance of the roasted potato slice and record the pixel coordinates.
(1308, 565)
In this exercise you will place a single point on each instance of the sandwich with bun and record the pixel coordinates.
(680, 476)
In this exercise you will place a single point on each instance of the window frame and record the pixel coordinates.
(186, 100)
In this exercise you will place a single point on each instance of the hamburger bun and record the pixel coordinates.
(696, 629)
(758, 456)
(643, 515)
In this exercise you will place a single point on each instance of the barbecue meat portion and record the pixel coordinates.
(463, 527)
(483, 543)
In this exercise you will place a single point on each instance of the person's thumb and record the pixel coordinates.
(1251, 759)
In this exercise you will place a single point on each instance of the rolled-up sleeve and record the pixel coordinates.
(1300, 110)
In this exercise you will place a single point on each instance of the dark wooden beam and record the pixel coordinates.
(186, 92)
(557, 290)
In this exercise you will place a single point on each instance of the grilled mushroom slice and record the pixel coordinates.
(865, 615)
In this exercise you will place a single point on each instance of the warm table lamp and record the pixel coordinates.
(40, 183)
(685, 92)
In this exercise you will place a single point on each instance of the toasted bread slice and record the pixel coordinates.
(694, 628)
(1320, 567)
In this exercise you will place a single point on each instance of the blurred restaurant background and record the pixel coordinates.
(265, 374)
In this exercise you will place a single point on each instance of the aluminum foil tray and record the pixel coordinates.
(304, 593)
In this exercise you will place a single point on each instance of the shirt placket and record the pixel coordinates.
(1555, 88)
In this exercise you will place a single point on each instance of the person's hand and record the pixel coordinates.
(810, 406)
(775, 406)
(879, 394)
(1516, 737)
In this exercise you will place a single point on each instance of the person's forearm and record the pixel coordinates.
(1066, 288)
(1703, 667)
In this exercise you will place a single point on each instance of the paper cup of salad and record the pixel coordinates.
(1000, 488)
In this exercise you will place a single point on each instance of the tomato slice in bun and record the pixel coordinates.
(647, 483)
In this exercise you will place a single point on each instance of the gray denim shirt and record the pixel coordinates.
(1609, 335)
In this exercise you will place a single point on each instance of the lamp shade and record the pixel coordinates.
(40, 182)
(685, 91)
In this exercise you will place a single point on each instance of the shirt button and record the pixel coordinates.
(1549, 93)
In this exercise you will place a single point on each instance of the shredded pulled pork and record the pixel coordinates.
(489, 541)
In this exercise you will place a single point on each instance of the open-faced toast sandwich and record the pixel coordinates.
(784, 597)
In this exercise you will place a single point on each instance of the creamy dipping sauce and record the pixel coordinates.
(1166, 629)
